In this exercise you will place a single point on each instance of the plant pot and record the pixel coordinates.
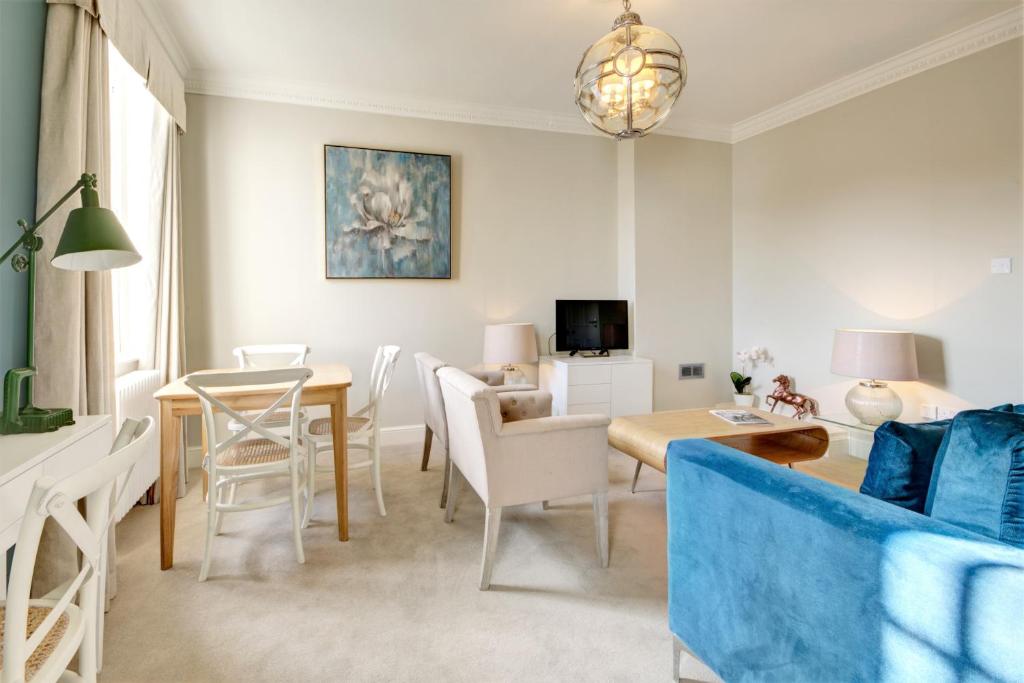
(746, 400)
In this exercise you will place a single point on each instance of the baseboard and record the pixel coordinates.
(403, 435)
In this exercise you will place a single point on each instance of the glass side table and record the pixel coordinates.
(861, 436)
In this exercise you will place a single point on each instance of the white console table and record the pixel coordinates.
(24, 458)
(611, 385)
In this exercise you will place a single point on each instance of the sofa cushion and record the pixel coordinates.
(979, 483)
(900, 464)
(1010, 408)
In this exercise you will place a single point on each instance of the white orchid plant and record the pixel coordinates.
(748, 360)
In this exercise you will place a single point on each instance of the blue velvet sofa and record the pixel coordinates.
(777, 576)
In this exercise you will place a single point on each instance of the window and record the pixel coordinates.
(138, 130)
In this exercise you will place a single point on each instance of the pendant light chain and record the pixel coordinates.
(627, 5)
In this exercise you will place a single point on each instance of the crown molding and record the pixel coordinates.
(996, 29)
(151, 10)
(318, 95)
(987, 33)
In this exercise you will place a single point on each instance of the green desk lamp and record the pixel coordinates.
(93, 239)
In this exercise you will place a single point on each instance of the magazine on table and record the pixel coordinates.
(740, 417)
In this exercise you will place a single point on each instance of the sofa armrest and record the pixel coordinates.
(774, 575)
(524, 405)
(560, 423)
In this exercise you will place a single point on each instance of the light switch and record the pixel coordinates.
(1002, 265)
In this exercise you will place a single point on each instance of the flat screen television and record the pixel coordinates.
(595, 325)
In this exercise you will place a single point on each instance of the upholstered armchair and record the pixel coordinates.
(433, 405)
(520, 461)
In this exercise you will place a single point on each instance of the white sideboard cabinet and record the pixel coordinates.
(611, 385)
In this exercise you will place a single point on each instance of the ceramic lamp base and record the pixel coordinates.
(873, 403)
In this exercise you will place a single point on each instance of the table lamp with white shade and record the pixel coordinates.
(508, 344)
(874, 356)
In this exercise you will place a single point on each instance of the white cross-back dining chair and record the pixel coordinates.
(363, 429)
(239, 460)
(42, 636)
(265, 357)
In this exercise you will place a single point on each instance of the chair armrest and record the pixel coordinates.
(524, 405)
(560, 423)
(506, 388)
(774, 575)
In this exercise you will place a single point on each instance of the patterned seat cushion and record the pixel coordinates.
(322, 425)
(252, 452)
(36, 615)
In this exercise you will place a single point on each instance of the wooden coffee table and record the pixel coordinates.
(646, 437)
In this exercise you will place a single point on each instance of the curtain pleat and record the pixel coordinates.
(73, 318)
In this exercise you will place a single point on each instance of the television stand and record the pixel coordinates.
(611, 385)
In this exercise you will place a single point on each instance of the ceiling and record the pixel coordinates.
(518, 57)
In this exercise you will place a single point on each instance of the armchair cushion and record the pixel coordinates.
(524, 405)
(980, 481)
(777, 576)
(492, 378)
(900, 464)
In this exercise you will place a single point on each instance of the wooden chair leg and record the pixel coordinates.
(447, 477)
(428, 439)
(492, 525)
(453, 493)
(601, 526)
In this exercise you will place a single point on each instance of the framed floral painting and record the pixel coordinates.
(388, 214)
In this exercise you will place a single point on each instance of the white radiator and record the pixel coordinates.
(135, 399)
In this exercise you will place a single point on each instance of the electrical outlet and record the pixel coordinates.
(1002, 265)
(929, 412)
(943, 413)
(691, 371)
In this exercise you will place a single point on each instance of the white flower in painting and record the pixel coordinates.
(383, 202)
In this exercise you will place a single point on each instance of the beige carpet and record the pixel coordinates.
(399, 601)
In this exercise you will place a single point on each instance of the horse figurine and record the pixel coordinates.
(803, 405)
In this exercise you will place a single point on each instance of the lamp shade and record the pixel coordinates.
(93, 239)
(875, 354)
(510, 343)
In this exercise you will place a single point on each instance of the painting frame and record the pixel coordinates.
(448, 231)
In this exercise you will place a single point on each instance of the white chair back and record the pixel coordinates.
(290, 380)
(474, 420)
(383, 368)
(433, 403)
(54, 499)
(271, 355)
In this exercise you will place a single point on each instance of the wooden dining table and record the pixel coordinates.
(328, 386)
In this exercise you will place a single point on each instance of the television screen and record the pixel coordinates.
(591, 325)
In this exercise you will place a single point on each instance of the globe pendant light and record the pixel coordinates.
(627, 81)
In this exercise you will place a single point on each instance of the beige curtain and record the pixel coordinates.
(73, 320)
(169, 342)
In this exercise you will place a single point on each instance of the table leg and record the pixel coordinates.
(339, 433)
(170, 429)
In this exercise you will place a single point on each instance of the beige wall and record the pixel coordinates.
(884, 212)
(534, 219)
(683, 267)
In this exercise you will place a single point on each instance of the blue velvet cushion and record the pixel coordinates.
(900, 464)
(1010, 408)
(979, 481)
